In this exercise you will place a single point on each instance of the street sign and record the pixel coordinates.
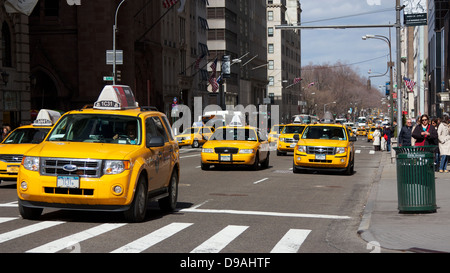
(107, 78)
(110, 56)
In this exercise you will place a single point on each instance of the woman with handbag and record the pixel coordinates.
(425, 134)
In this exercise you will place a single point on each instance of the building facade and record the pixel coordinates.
(284, 57)
(14, 69)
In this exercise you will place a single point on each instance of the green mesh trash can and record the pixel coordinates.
(416, 187)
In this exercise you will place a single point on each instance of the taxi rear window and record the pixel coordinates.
(97, 128)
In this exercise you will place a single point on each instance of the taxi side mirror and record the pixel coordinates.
(296, 137)
(352, 138)
(155, 141)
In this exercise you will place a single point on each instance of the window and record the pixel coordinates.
(271, 65)
(6, 46)
(271, 48)
(271, 81)
(154, 127)
(270, 32)
(270, 15)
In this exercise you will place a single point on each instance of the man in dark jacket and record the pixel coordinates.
(404, 139)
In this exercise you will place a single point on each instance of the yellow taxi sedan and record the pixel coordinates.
(275, 132)
(325, 147)
(194, 136)
(23, 139)
(286, 141)
(361, 132)
(370, 134)
(235, 146)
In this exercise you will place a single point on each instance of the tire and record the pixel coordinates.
(280, 153)
(136, 213)
(204, 167)
(349, 170)
(255, 165)
(195, 144)
(169, 203)
(29, 213)
(265, 165)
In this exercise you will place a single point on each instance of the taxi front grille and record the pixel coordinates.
(226, 150)
(52, 190)
(320, 150)
(290, 140)
(84, 167)
(11, 158)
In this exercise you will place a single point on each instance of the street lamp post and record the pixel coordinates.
(114, 42)
(390, 65)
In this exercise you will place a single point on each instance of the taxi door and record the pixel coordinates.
(159, 157)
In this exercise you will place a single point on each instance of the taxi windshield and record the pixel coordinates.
(297, 129)
(98, 129)
(234, 134)
(324, 132)
(27, 135)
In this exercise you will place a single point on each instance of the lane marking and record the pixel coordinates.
(186, 156)
(266, 213)
(153, 238)
(27, 230)
(7, 219)
(220, 240)
(71, 240)
(291, 241)
(10, 204)
(259, 181)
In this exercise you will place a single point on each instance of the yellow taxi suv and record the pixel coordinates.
(327, 147)
(286, 141)
(21, 140)
(275, 132)
(243, 145)
(194, 136)
(114, 156)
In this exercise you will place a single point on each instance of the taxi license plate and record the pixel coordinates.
(12, 169)
(320, 157)
(72, 182)
(225, 158)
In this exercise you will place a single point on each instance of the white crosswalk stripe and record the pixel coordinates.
(153, 238)
(65, 242)
(220, 240)
(291, 241)
(27, 230)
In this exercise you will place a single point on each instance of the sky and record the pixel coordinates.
(329, 46)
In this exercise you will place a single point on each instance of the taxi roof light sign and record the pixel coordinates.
(116, 97)
(46, 117)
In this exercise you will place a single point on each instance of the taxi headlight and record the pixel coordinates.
(301, 149)
(246, 151)
(115, 166)
(187, 138)
(31, 163)
(207, 150)
(341, 150)
(282, 139)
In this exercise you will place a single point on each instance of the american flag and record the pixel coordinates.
(409, 84)
(297, 80)
(168, 3)
(311, 84)
(212, 79)
(197, 62)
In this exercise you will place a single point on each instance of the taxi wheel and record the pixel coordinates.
(204, 167)
(255, 165)
(195, 144)
(265, 165)
(29, 213)
(169, 203)
(136, 213)
(350, 167)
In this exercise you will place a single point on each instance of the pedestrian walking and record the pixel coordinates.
(437, 155)
(425, 133)
(404, 138)
(444, 143)
(387, 134)
(377, 139)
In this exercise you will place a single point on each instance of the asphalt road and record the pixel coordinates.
(226, 210)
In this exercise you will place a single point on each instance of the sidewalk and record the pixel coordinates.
(383, 224)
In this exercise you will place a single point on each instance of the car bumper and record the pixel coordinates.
(285, 147)
(92, 193)
(9, 171)
(233, 159)
(331, 162)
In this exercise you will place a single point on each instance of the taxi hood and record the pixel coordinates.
(82, 150)
(17, 149)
